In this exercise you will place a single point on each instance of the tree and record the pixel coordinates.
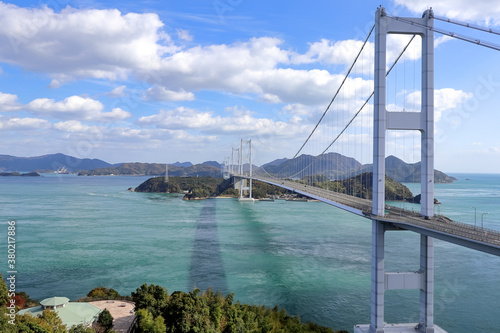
(53, 321)
(80, 329)
(148, 324)
(103, 293)
(152, 298)
(105, 320)
(4, 292)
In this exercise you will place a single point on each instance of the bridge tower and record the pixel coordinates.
(423, 121)
(241, 183)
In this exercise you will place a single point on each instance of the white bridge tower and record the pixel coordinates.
(423, 121)
(244, 185)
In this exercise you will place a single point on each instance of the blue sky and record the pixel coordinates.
(166, 81)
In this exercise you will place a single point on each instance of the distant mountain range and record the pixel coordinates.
(331, 165)
(48, 163)
(155, 169)
(337, 166)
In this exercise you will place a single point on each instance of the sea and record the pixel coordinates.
(77, 233)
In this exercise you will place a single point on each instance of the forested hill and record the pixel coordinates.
(337, 166)
(155, 169)
(51, 162)
(204, 187)
(361, 186)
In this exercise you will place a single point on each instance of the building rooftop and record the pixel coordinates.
(72, 313)
(54, 301)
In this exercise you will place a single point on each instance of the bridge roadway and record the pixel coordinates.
(438, 226)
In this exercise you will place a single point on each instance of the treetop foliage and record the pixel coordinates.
(210, 312)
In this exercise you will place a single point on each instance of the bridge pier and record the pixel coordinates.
(382, 281)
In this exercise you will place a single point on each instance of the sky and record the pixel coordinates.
(166, 81)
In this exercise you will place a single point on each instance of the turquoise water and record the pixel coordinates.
(76, 233)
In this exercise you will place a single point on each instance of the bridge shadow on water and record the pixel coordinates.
(207, 269)
(280, 289)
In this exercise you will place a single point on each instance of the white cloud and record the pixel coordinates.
(344, 52)
(107, 44)
(444, 99)
(482, 11)
(180, 118)
(220, 66)
(70, 107)
(76, 108)
(184, 35)
(159, 93)
(251, 67)
(441, 39)
(270, 98)
(83, 43)
(9, 102)
(338, 53)
(72, 126)
(239, 122)
(114, 115)
(297, 109)
(117, 92)
(23, 124)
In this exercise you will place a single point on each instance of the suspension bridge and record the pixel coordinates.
(343, 160)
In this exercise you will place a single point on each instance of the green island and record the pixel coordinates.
(157, 311)
(206, 187)
(18, 174)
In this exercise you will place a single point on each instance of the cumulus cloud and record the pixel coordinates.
(76, 108)
(107, 44)
(72, 126)
(255, 67)
(159, 93)
(221, 66)
(180, 118)
(23, 124)
(238, 121)
(444, 99)
(338, 53)
(9, 102)
(115, 114)
(80, 43)
(481, 11)
(344, 52)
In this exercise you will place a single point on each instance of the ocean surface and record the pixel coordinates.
(77, 233)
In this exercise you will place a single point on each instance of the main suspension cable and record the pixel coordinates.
(338, 90)
(449, 33)
(368, 99)
(467, 25)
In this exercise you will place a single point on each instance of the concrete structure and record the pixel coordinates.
(122, 312)
(423, 121)
(71, 313)
(245, 184)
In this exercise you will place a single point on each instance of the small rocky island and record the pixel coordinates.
(18, 174)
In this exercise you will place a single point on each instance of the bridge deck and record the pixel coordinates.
(438, 226)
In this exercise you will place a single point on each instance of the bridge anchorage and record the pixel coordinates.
(386, 218)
